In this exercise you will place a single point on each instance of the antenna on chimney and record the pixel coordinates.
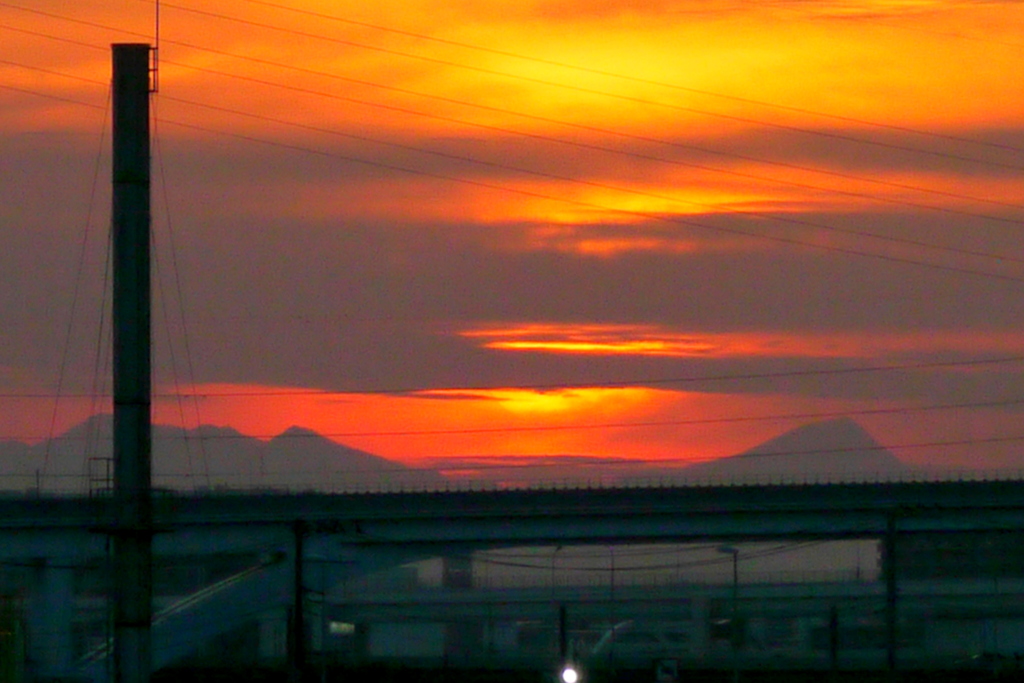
(154, 69)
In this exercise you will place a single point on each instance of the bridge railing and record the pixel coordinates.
(429, 481)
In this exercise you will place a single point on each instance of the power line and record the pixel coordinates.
(788, 374)
(674, 220)
(54, 73)
(478, 462)
(751, 176)
(589, 552)
(76, 288)
(478, 69)
(629, 136)
(673, 162)
(656, 423)
(636, 79)
(588, 183)
(904, 410)
(589, 91)
(80, 22)
(37, 93)
(526, 171)
(779, 417)
(594, 129)
(718, 559)
(40, 34)
(789, 166)
(522, 461)
(897, 447)
(180, 298)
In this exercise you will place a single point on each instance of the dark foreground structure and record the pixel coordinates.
(384, 674)
(465, 585)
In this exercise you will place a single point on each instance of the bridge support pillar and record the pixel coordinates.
(462, 639)
(890, 560)
(50, 614)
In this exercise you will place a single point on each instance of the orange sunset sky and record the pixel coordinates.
(653, 230)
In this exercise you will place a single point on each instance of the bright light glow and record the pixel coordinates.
(341, 628)
(570, 675)
(578, 401)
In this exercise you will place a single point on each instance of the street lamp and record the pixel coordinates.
(734, 634)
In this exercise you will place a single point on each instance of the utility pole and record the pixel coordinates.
(563, 635)
(735, 635)
(297, 633)
(889, 569)
(133, 514)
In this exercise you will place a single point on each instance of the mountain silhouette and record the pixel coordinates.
(212, 457)
(828, 450)
(207, 457)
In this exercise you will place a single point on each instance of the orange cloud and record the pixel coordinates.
(726, 71)
(790, 55)
(693, 75)
(649, 340)
(630, 422)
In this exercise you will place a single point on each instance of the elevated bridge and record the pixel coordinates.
(45, 542)
(565, 515)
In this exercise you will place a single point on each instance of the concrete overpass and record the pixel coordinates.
(51, 537)
(564, 515)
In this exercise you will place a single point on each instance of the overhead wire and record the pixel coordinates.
(772, 551)
(52, 72)
(488, 463)
(832, 173)
(449, 463)
(608, 186)
(264, 141)
(180, 396)
(587, 551)
(647, 139)
(164, 309)
(927, 365)
(676, 162)
(75, 292)
(80, 22)
(809, 131)
(776, 217)
(174, 266)
(590, 91)
(38, 93)
(780, 217)
(605, 131)
(441, 464)
(776, 417)
(633, 78)
(817, 415)
(650, 216)
(101, 360)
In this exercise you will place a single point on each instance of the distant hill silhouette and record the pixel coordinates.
(833, 450)
(203, 458)
(212, 457)
(829, 450)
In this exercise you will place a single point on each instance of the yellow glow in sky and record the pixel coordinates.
(587, 133)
